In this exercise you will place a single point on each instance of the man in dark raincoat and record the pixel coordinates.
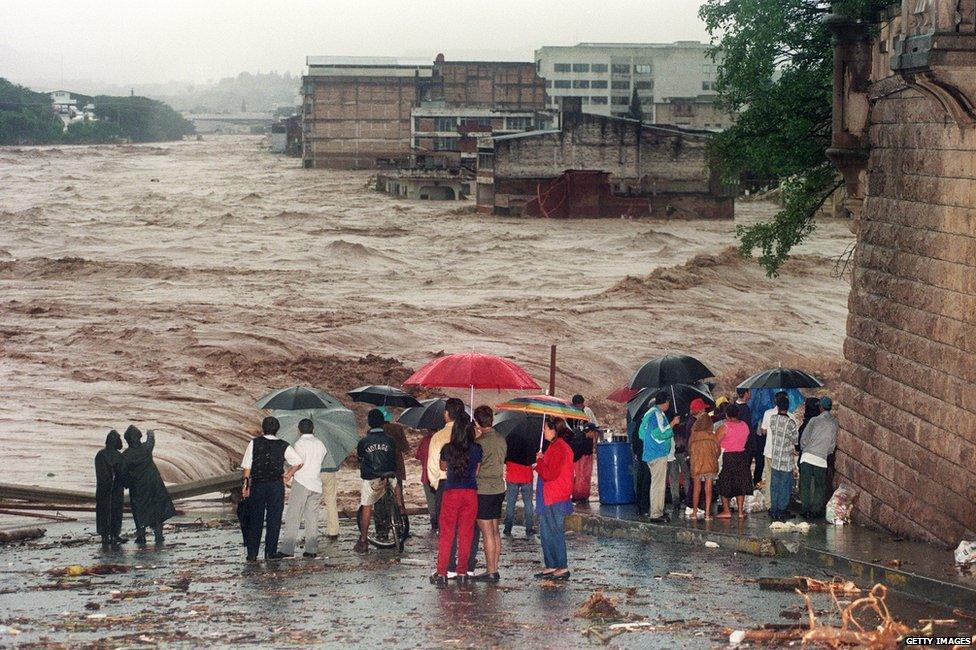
(109, 490)
(150, 501)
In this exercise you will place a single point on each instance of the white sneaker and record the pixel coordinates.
(687, 511)
(451, 575)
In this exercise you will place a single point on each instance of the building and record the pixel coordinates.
(904, 138)
(701, 112)
(605, 75)
(286, 136)
(427, 185)
(632, 169)
(365, 112)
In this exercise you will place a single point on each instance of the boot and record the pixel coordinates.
(141, 536)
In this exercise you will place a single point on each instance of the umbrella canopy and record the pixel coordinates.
(518, 423)
(335, 427)
(681, 398)
(298, 398)
(781, 378)
(623, 395)
(472, 370)
(544, 405)
(670, 369)
(429, 415)
(383, 396)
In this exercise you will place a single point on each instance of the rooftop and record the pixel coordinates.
(367, 62)
(678, 44)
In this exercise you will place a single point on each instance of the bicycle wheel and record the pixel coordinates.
(399, 525)
(380, 533)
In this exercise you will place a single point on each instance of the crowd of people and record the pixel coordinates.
(471, 473)
(731, 451)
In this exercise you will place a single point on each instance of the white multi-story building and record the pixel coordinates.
(605, 75)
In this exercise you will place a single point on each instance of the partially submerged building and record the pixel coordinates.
(904, 137)
(367, 112)
(601, 166)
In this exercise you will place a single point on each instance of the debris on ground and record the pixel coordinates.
(20, 534)
(711, 545)
(790, 527)
(840, 505)
(965, 553)
(600, 607)
(679, 574)
(75, 570)
(805, 584)
(7, 630)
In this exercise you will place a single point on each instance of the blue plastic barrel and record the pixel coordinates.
(614, 473)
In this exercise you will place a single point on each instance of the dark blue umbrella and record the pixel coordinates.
(670, 369)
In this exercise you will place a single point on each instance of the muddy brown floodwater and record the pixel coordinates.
(172, 285)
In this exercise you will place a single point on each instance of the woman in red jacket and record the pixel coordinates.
(554, 498)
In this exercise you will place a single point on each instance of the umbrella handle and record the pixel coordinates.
(542, 434)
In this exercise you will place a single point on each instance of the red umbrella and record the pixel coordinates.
(623, 395)
(472, 370)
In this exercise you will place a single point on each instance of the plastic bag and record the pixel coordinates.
(966, 552)
(841, 505)
(756, 502)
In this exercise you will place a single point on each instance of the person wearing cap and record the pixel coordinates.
(818, 442)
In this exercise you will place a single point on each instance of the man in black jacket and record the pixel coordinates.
(377, 466)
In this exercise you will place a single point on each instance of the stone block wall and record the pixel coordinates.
(907, 402)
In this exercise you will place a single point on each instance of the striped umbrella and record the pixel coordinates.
(544, 405)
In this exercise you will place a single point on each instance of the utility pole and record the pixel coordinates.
(552, 370)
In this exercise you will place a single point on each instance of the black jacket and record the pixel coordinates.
(377, 455)
(522, 447)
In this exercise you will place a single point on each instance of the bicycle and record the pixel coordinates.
(390, 527)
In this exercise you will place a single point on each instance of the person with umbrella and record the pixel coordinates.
(148, 496)
(306, 492)
(782, 440)
(554, 498)
(817, 444)
(657, 436)
(735, 478)
(521, 449)
(109, 490)
(264, 487)
(703, 453)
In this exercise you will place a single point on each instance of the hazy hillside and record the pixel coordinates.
(246, 91)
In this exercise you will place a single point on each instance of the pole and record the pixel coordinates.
(472, 398)
(552, 370)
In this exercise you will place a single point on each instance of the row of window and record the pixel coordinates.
(603, 100)
(444, 124)
(598, 83)
(616, 68)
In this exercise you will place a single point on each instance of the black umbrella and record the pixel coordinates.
(670, 369)
(429, 415)
(517, 422)
(384, 396)
(781, 378)
(681, 397)
(298, 398)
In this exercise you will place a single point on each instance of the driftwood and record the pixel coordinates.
(20, 534)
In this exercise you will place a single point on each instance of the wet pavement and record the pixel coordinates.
(198, 590)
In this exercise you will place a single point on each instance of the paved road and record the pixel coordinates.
(197, 590)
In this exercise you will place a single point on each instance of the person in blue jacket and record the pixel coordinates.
(657, 436)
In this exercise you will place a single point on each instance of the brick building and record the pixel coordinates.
(904, 139)
(660, 171)
(359, 112)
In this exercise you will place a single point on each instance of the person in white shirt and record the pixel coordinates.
(767, 475)
(306, 492)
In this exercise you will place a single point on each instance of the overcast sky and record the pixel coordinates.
(139, 42)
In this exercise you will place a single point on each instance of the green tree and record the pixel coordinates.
(635, 111)
(776, 71)
(141, 119)
(26, 117)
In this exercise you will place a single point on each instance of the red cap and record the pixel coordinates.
(697, 405)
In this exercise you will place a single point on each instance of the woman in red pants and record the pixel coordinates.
(460, 460)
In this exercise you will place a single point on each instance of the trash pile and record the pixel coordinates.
(790, 527)
(965, 554)
(841, 505)
(602, 608)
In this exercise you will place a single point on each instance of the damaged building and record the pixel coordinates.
(369, 112)
(601, 166)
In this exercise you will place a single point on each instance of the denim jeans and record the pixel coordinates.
(512, 491)
(552, 534)
(780, 492)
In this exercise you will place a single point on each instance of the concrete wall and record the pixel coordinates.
(511, 85)
(905, 139)
(669, 165)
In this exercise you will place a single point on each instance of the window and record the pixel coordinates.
(598, 83)
(562, 83)
(485, 160)
(642, 68)
(620, 100)
(548, 83)
(598, 99)
(620, 68)
(581, 83)
(584, 100)
(708, 85)
(446, 144)
(445, 124)
(598, 67)
(519, 123)
(620, 85)
(643, 85)
(581, 67)
(479, 122)
(561, 67)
